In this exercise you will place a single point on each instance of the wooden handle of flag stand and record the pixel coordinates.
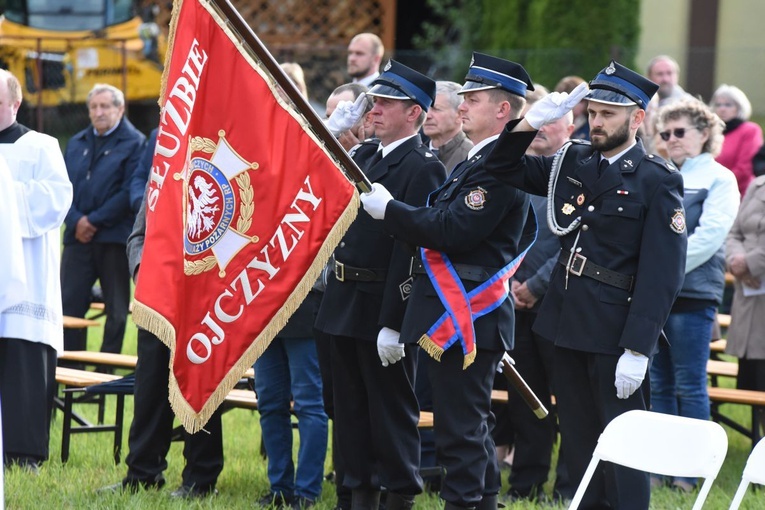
(252, 42)
(520, 385)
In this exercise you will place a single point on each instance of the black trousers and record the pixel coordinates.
(27, 388)
(586, 398)
(83, 264)
(462, 406)
(534, 438)
(376, 416)
(323, 351)
(152, 426)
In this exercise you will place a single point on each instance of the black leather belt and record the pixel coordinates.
(582, 266)
(465, 271)
(345, 272)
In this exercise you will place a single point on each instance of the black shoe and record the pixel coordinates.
(133, 485)
(275, 500)
(301, 503)
(193, 492)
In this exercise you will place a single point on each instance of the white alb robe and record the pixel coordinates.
(43, 198)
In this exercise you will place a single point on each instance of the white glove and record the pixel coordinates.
(505, 357)
(630, 372)
(346, 115)
(388, 348)
(554, 106)
(376, 201)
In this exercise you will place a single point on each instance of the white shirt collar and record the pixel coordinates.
(480, 145)
(618, 156)
(391, 146)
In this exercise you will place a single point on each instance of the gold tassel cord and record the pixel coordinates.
(433, 350)
(469, 358)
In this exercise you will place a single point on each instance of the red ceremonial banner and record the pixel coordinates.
(244, 207)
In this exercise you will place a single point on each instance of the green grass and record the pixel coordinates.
(244, 479)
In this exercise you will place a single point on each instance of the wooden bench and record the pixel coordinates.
(719, 368)
(246, 399)
(100, 358)
(723, 319)
(76, 381)
(78, 322)
(718, 346)
(754, 399)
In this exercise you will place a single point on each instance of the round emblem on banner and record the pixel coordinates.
(210, 206)
(476, 199)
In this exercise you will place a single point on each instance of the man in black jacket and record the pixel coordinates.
(473, 234)
(376, 411)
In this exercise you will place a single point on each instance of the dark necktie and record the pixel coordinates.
(374, 159)
(602, 167)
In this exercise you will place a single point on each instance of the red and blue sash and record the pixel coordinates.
(462, 307)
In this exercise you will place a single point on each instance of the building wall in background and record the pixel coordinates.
(739, 51)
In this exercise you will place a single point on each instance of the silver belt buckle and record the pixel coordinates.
(339, 271)
(577, 264)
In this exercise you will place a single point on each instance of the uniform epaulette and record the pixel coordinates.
(667, 165)
(426, 153)
(369, 142)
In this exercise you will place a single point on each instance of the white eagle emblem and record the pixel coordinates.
(201, 208)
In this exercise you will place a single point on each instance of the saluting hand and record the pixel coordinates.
(346, 114)
(554, 106)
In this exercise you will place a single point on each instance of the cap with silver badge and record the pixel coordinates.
(487, 72)
(398, 81)
(618, 85)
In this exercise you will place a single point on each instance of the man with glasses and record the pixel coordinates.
(618, 213)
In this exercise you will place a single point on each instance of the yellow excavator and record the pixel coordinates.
(60, 48)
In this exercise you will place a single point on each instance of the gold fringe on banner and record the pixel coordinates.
(153, 322)
(193, 421)
(177, 4)
(189, 418)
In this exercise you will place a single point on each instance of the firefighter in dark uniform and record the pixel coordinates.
(619, 216)
(474, 224)
(376, 411)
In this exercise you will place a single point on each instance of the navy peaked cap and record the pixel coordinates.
(619, 85)
(487, 72)
(398, 81)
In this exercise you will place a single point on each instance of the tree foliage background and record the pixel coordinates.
(550, 38)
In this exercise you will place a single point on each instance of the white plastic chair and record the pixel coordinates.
(754, 472)
(662, 444)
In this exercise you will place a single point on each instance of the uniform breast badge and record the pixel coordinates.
(476, 199)
(580, 199)
(567, 209)
(405, 288)
(218, 205)
(677, 224)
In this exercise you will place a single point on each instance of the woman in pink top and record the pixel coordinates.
(742, 138)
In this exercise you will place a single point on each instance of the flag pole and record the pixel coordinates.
(526, 393)
(253, 43)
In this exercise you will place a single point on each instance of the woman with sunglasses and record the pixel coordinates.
(742, 137)
(693, 135)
